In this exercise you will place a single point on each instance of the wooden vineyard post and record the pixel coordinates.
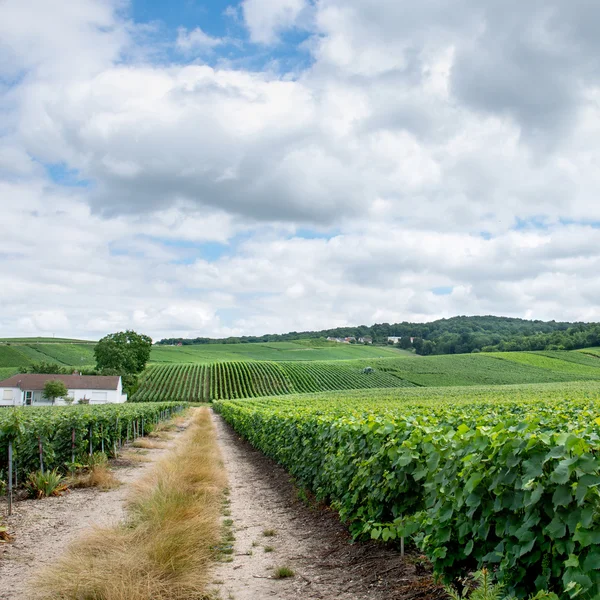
(41, 452)
(10, 476)
(73, 445)
(402, 546)
(91, 442)
(102, 436)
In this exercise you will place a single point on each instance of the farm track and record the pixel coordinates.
(44, 528)
(311, 541)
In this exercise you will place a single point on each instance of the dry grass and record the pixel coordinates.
(99, 477)
(147, 444)
(166, 549)
(160, 435)
(135, 457)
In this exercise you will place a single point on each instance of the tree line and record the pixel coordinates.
(457, 335)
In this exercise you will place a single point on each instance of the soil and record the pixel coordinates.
(310, 540)
(42, 529)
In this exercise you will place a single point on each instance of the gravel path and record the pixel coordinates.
(310, 541)
(42, 529)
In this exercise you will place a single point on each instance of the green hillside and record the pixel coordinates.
(246, 379)
(303, 350)
(44, 340)
(16, 355)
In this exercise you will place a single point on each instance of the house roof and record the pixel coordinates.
(35, 381)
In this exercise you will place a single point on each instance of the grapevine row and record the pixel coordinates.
(505, 478)
(233, 380)
(54, 436)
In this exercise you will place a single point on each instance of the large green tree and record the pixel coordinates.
(124, 352)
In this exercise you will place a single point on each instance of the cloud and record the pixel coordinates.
(266, 19)
(431, 146)
(196, 39)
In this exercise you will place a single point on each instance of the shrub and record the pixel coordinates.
(43, 485)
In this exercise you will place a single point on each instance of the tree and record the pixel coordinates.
(125, 352)
(405, 342)
(54, 389)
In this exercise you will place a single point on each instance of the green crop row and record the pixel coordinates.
(511, 483)
(67, 434)
(232, 380)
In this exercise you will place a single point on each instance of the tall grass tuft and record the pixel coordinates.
(165, 549)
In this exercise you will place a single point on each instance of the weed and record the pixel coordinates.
(483, 587)
(97, 459)
(269, 532)
(43, 485)
(269, 549)
(5, 537)
(100, 477)
(283, 573)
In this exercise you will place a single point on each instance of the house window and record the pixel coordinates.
(7, 395)
(28, 398)
(99, 396)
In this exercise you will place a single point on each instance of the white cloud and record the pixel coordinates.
(266, 19)
(386, 141)
(196, 39)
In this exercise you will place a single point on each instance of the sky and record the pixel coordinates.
(203, 168)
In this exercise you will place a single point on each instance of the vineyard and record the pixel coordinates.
(504, 477)
(21, 355)
(301, 350)
(251, 379)
(196, 383)
(51, 437)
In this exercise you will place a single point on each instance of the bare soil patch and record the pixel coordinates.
(42, 529)
(309, 541)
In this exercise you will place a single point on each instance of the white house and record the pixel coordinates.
(28, 389)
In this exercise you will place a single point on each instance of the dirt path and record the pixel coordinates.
(44, 528)
(311, 542)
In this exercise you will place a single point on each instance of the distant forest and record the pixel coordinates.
(458, 335)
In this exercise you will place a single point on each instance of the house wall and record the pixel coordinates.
(16, 397)
(97, 396)
(10, 397)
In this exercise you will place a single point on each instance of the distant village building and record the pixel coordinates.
(396, 338)
(27, 389)
(350, 339)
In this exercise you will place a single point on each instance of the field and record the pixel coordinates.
(306, 350)
(475, 459)
(15, 355)
(195, 383)
(44, 340)
(249, 379)
(21, 352)
(504, 476)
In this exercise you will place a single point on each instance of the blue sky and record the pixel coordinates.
(213, 169)
(224, 21)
